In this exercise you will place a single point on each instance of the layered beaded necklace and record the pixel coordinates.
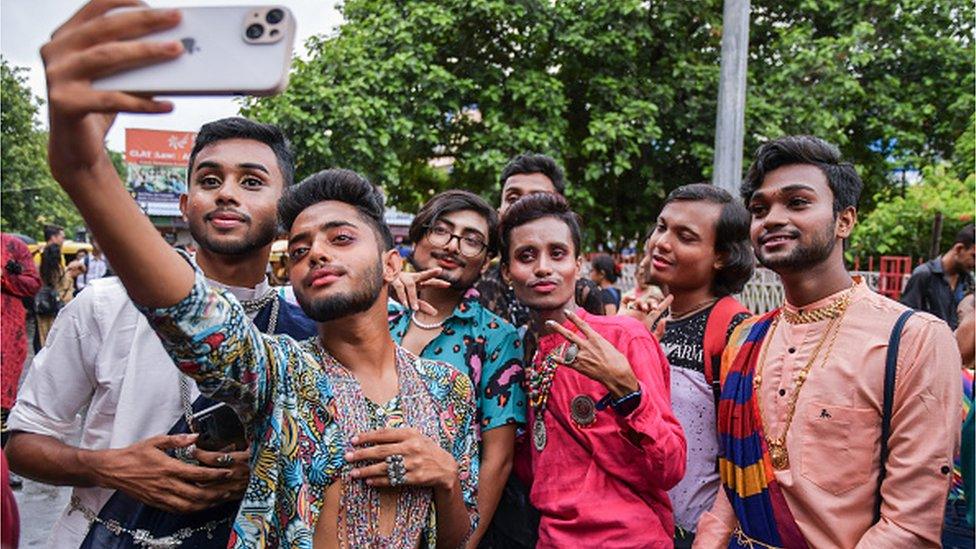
(359, 505)
(539, 381)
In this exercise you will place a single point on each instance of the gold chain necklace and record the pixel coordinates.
(828, 312)
(777, 445)
(696, 309)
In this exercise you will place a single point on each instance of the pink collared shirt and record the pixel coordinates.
(834, 439)
(605, 484)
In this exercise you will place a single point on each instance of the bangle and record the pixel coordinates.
(622, 406)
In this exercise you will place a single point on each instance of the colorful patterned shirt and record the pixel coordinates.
(276, 385)
(479, 343)
(957, 491)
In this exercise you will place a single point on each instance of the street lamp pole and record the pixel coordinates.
(730, 118)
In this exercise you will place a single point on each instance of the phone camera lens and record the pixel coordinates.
(254, 31)
(275, 16)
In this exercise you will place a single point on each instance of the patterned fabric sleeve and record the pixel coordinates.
(210, 339)
(465, 447)
(502, 399)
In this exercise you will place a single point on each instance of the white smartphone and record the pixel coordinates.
(228, 50)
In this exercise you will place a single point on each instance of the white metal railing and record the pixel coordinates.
(762, 293)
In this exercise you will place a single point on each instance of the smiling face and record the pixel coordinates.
(230, 204)
(458, 268)
(522, 184)
(337, 266)
(542, 266)
(681, 248)
(793, 222)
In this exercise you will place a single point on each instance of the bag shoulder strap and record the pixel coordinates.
(891, 370)
(716, 331)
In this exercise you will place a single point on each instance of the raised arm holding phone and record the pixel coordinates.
(352, 479)
(102, 358)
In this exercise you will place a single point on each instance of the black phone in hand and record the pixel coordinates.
(219, 428)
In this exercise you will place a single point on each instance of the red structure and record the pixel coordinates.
(891, 279)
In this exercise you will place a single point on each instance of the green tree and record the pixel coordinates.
(31, 197)
(902, 224)
(623, 93)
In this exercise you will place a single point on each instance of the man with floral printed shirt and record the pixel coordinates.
(454, 235)
(335, 420)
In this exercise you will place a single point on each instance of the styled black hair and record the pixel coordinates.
(731, 235)
(455, 201)
(51, 231)
(605, 264)
(237, 127)
(536, 206)
(966, 236)
(589, 296)
(535, 163)
(51, 269)
(844, 182)
(341, 186)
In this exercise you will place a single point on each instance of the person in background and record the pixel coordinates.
(589, 296)
(57, 289)
(94, 267)
(644, 290)
(53, 234)
(957, 528)
(604, 272)
(454, 235)
(938, 286)
(604, 445)
(18, 280)
(801, 448)
(77, 268)
(525, 174)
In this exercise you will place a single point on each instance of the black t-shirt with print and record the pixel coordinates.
(684, 340)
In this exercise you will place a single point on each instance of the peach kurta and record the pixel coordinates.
(834, 439)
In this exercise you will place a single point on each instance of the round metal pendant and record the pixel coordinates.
(583, 410)
(539, 433)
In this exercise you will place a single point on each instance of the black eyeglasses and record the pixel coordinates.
(469, 246)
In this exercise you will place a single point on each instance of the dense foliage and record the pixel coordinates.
(623, 93)
(30, 196)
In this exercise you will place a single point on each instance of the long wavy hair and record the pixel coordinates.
(51, 268)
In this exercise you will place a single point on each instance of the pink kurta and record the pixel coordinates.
(605, 485)
(833, 441)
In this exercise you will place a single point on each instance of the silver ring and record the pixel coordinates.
(225, 459)
(571, 353)
(396, 471)
(185, 454)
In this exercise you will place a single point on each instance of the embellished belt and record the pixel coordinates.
(145, 538)
(746, 541)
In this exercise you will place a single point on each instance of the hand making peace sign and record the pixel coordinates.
(596, 358)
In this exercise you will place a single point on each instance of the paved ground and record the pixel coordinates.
(40, 505)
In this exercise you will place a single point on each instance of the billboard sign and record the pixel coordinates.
(156, 161)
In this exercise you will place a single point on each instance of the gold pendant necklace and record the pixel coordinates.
(778, 453)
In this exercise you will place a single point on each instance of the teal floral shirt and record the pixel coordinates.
(486, 348)
(277, 387)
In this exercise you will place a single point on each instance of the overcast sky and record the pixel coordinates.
(26, 24)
